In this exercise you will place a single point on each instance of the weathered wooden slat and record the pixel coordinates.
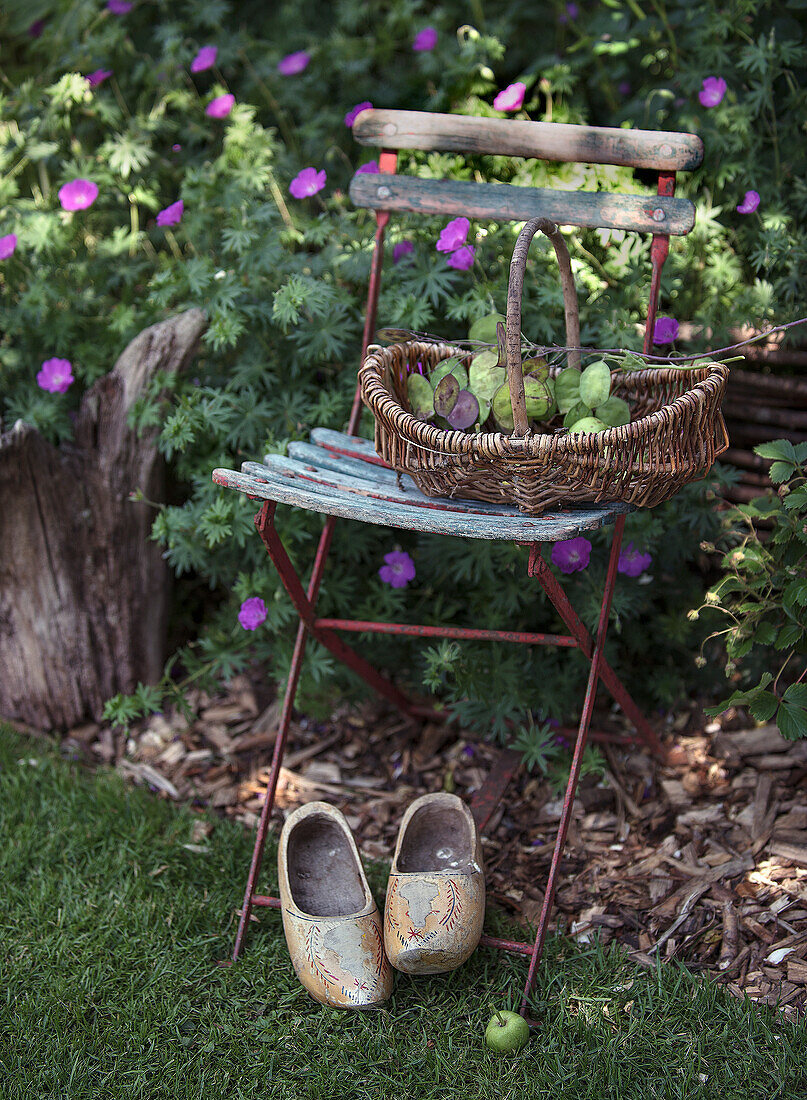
(504, 202)
(270, 485)
(381, 477)
(358, 467)
(666, 151)
(339, 477)
(376, 477)
(341, 443)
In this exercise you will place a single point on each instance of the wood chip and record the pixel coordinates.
(146, 774)
(795, 852)
(755, 742)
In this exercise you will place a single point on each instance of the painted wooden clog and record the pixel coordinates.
(332, 924)
(436, 891)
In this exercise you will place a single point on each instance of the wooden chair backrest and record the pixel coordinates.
(658, 150)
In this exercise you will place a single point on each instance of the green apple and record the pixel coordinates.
(507, 1032)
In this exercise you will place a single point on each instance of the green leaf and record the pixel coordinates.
(777, 449)
(796, 499)
(763, 706)
(792, 721)
(794, 596)
(796, 694)
(780, 471)
(765, 633)
(788, 636)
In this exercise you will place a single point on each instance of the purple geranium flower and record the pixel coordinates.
(401, 249)
(221, 106)
(632, 562)
(425, 40)
(78, 194)
(56, 375)
(749, 203)
(572, 12)
(176, 147)
(119, 7)
(511, 98)
(463, 258)
(98, 77)
(623, 87)
(371, 166)
(454, 235)
(252, 613)
(665, 330)
(293, 63)
(307, 183)
(7, 245)
(205, 59)
(399, 569)
(36, 28)
(712, 91)
(171, 215)
(353, 114)
(572, 555)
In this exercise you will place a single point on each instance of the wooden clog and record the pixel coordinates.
(332, 924)
(436, 891)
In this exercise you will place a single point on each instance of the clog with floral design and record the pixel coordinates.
(436, 891)
(332, 924)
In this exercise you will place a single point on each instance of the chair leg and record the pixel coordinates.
(269, 799)
(574, 774)
(554, 590)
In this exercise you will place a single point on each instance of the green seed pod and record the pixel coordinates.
(595, 384)
(587, 424)
(484, 328)
(449, 366)
(567, 389)
(613, 412)
(421, 396)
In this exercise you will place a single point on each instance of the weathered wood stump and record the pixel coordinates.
(83, 591)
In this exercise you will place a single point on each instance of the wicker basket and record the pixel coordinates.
(674, 436)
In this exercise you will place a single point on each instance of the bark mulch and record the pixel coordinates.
(703, 860)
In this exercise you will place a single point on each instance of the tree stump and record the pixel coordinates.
(83, 591)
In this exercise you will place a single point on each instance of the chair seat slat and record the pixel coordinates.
(344, 444)
(504, 202)
(268, 484)
(662, 150)
(338, 472)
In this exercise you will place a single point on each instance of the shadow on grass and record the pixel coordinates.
(112, 928)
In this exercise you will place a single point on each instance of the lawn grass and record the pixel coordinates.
(111, 930)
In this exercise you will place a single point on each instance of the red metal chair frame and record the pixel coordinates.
(324, 630)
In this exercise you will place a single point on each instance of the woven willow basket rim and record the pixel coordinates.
(706, 381)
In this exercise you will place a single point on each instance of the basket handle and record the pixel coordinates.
(515, 289)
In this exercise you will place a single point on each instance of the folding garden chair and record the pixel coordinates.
(340, 475)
